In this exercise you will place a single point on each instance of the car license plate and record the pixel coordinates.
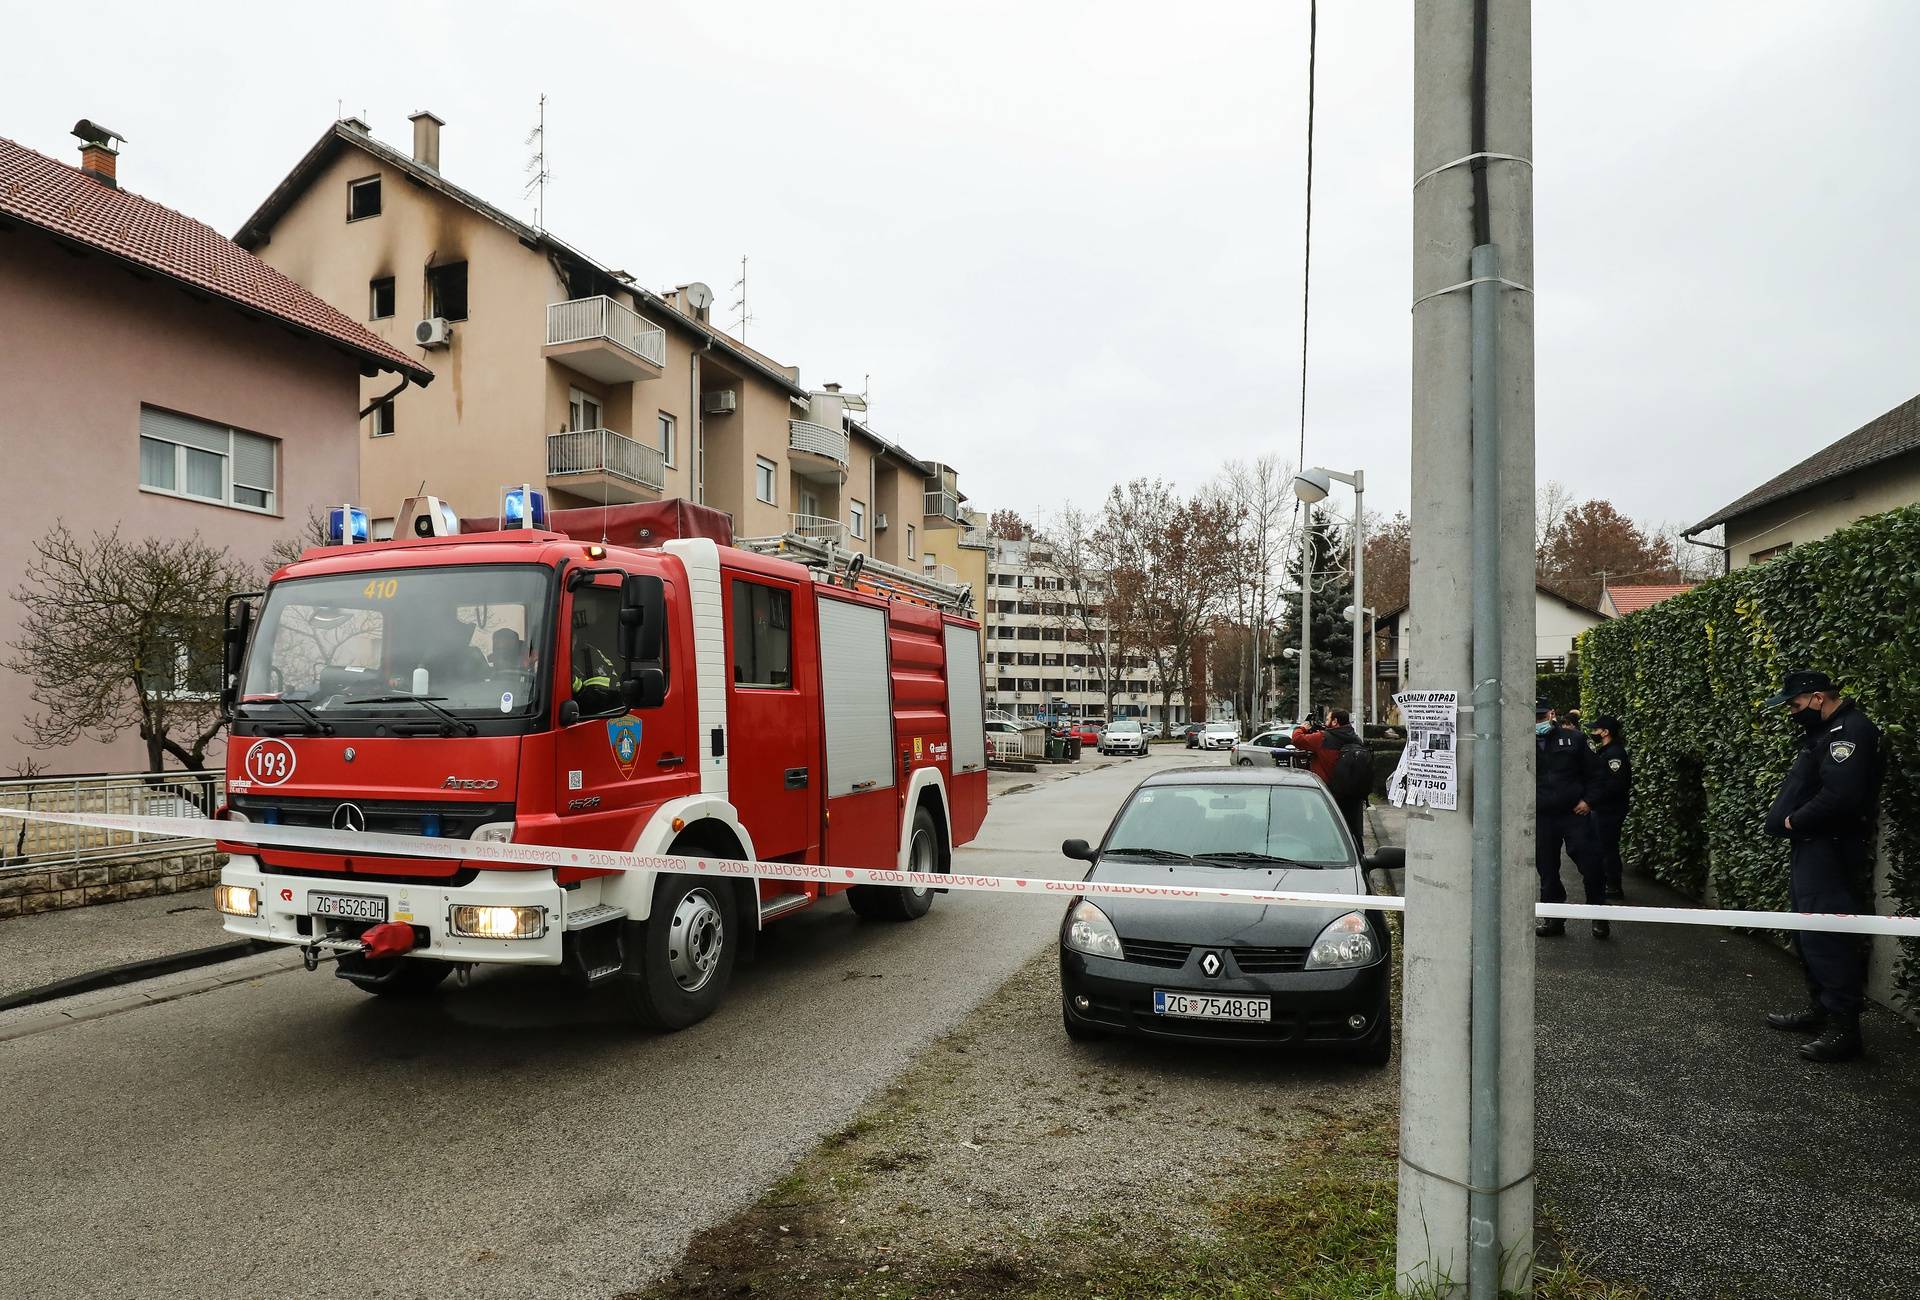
(1211, 1006)
(354, 907)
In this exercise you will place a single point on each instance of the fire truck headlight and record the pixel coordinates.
(494, 833)
(472, 922)
(236, 900)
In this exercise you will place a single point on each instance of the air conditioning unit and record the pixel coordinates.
(880, 521)
(433, 332)
(721, 401)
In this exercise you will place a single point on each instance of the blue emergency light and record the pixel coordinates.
(341, 520)
(515, 510)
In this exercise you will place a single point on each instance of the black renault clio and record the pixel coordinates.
(1229, 972)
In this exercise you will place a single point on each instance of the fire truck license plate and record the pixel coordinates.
(1211, 1006)
(355, 907)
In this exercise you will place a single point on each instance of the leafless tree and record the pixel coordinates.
(121, 635)
(1172, 571)
(1258, 497)
(1080, 608)
(1550, 506)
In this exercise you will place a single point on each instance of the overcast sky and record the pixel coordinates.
(1064, 240)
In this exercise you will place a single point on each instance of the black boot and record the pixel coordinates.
(1840, 1041)
(1616, 894)
(1549, 926)
(1810, 1021)
(1602, 929)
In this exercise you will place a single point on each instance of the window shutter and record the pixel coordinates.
(254, 460)
(183, 429)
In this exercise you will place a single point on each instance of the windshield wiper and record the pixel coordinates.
(1241, 855)
(427, 702)
(315, 726)
(1164, 855)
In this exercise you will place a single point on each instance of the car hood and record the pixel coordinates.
(1221, 923)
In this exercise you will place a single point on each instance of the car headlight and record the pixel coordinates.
(1089, 931)
(1347, 941)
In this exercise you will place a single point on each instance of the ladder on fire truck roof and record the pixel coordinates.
(833, 564)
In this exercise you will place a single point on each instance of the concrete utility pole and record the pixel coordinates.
(1466, 1128)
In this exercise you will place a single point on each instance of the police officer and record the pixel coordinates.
(1564, 779)
(1826, 808)
(1613, 782)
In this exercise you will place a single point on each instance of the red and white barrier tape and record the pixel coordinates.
(361, 844)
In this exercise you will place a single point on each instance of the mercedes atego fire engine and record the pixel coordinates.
(525, 679)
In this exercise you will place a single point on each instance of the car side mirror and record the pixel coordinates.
(1077, 850)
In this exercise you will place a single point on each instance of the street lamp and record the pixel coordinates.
(1311, 486)
(1353, 614)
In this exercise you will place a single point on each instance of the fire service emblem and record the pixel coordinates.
(623, 734)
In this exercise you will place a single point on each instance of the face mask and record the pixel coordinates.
(1542, 728)
(1808, 717)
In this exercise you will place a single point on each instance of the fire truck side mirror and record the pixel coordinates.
(645, 688)
(643, 619)
(234, 648)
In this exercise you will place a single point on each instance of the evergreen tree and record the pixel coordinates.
(1332, 634)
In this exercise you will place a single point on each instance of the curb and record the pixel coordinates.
(130, 972)
(250, 966)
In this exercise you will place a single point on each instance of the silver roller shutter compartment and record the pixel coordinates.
(856, 697)
(964, 710)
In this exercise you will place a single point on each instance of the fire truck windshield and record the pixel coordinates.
(471, 638)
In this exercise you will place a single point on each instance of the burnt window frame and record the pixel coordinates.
(434, 300)
(373, 298)
(360, 184)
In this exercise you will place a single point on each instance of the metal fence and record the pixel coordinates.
(601, 317)
(25, 844)
(602, 451)
(818, 439)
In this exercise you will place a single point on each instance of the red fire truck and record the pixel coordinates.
(613, 679)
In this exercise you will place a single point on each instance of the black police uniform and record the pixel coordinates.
(1564, 775)
(1831, 795)
(1613, 782)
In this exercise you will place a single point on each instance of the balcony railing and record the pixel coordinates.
(817, 528)
(817, 440)
(943, 573)
(943, 505)
(977, 539)
(585, 319)
(602, 451)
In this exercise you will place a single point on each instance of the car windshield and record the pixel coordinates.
(1293, 822)
(1124, 727)
(470, 638)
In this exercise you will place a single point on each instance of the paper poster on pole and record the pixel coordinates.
(1428, 773)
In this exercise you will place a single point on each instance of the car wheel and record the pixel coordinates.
(680, 959)
(1377, 1048)
(1078, 1032)
(903, 902)
(1243, 762)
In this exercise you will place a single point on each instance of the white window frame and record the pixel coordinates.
(227, 485)
(857, 518)
(766, 471)
(385, 420)
(355, 184)
(667, 429)
(910, 553)
(577, 402)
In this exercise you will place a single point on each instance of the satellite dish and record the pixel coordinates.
(699, 296)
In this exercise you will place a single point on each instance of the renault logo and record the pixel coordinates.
(348, 817)
(1209, 962)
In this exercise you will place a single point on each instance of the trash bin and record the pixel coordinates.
(1056, 748)
(1073, 749)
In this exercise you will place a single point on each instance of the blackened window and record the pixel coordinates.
(447, 290)
(381, 294)
(383, 423)
(363, 198)
(762, 635)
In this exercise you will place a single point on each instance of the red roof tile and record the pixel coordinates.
(66, 202)
(1632, 599)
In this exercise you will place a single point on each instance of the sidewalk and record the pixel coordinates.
(49, 947)
(1688, 1146)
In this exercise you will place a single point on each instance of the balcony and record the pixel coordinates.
(818, 529)
(606, 340)
(817, 451)
(977, 539)
(942, 510)
(602, 465)
(943, 573)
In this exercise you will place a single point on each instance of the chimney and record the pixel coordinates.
(97, 154)
(426, 139)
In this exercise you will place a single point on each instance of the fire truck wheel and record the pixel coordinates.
(680, 959)
(903, 903)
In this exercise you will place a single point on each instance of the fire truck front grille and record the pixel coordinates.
(451, 821)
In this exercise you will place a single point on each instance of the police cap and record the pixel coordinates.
(1541, 708)
(1801, 681)
(1606, 722)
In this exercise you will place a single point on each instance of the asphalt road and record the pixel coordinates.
(291, 1136)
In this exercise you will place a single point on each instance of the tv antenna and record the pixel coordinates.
(743, 316)
(537, 173)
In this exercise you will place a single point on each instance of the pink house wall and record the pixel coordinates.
(83, 343)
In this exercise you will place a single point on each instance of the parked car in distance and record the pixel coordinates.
(1270, 748)
(1229, 972)
(1123, 736)
(1219, 735)
(1191, 733)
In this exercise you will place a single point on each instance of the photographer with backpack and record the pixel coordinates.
(1343, 763)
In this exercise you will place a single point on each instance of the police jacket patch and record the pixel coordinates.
(1841, 750)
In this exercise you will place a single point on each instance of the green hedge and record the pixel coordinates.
(1561, 690)
(1687, 678)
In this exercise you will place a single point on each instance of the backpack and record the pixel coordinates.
(1352, 774)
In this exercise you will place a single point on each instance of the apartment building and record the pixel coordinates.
(562, 372)
(1039, 661)
(161, 380)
